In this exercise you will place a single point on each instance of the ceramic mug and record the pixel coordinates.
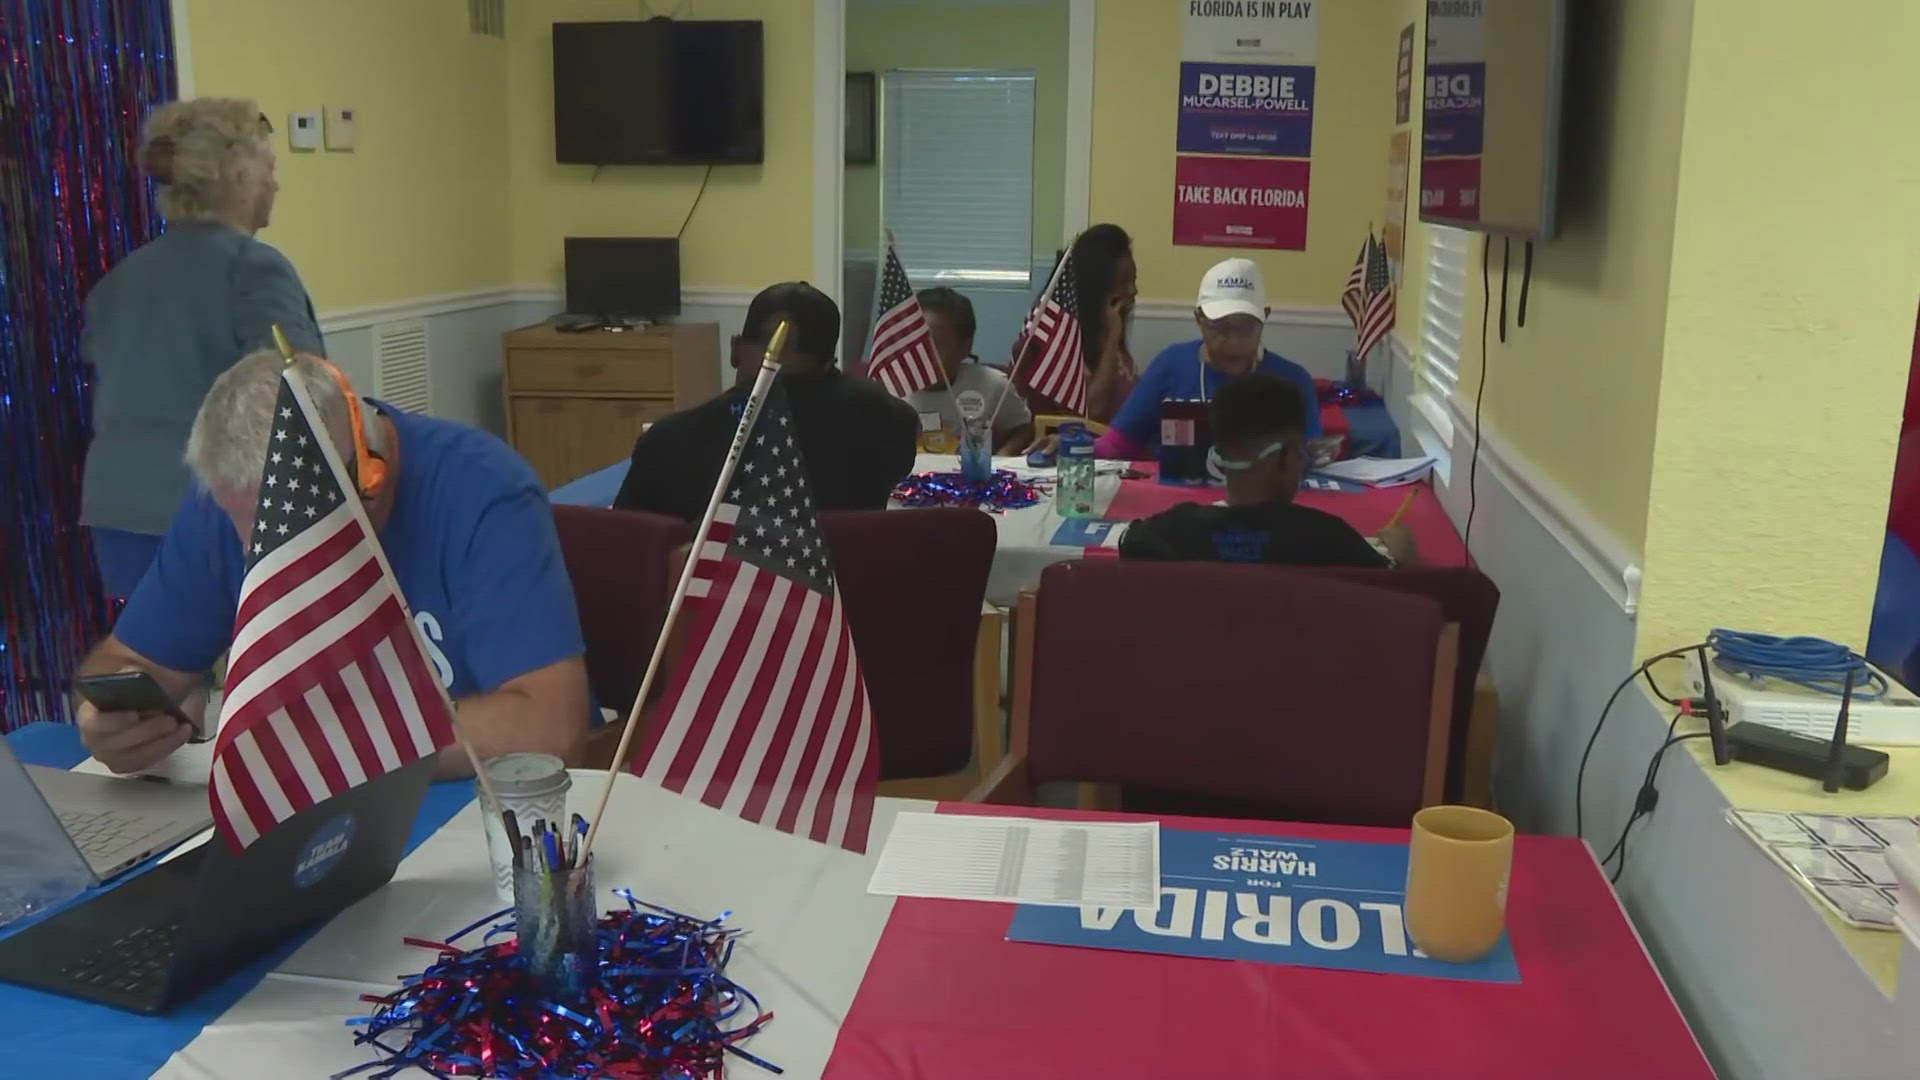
(1459, 860)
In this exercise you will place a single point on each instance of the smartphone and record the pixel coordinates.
(132, 691)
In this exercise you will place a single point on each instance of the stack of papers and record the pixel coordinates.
(1021, 861)
(1379, 472)
(1842, 860)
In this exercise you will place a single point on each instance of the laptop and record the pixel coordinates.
(159, 937)
(116, 822)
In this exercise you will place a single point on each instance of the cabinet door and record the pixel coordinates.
(567, 438)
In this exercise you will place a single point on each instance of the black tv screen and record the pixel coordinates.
(622, 277)
(656, 92)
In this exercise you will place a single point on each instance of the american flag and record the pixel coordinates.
(767, 716)
(1368, 298)
(327, 685)
(1058, 371)
(902, 359)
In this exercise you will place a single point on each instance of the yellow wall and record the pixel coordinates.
(1575, 391)
(973, 35)
(416, 210)
(754, 226)
(1136, 74)
(1791, 322)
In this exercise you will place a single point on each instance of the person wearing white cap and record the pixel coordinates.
(1231, 313)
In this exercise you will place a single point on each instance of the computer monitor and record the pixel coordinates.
(623, 277)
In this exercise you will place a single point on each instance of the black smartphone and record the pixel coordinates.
(132, 691)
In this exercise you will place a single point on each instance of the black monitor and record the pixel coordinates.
(658, 92)
(623, 277)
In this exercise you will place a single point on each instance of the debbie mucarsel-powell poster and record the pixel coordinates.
(1246, 123)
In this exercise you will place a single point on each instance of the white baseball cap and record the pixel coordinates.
(1234, 287)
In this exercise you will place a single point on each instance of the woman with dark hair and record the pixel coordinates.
(1109, 284)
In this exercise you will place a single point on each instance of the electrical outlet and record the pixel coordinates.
(303, 130)
(343, 128)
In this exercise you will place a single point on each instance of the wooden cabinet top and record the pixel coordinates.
(546, 336)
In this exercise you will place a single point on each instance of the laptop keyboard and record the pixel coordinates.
(139, 960)
(105, 833)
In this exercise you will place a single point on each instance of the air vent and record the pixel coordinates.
(402, 375)
(488, 17)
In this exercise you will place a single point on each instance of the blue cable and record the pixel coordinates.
(1815, 663)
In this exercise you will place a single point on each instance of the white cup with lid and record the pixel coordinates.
(534, 787)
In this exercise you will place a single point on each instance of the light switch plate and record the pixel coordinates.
(303, 130)
(343, 128)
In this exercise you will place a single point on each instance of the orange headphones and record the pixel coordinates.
(369, 468)
(370, 472)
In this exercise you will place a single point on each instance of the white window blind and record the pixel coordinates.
(956, 158)
(1442, 322)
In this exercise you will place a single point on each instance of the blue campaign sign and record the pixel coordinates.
(1315, 903)
(1088, 532)
(1264, 109)
(1455, 110)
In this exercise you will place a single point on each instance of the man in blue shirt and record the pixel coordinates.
(1231, 313)
(464, 523)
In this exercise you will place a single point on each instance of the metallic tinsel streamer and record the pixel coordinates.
(77, 77)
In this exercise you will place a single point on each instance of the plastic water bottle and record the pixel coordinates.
(1073, 494)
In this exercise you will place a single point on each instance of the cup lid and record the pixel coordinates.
(525, 774)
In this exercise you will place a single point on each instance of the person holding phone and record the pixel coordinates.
(465, 525)
(165, 322)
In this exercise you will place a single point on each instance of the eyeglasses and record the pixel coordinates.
(1236, 466)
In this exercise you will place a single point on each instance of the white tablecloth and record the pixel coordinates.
(812, 928)
(1025, 545)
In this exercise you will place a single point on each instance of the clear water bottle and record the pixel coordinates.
(1073, 494)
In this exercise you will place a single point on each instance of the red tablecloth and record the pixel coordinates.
(1366, 511)
(947, 996)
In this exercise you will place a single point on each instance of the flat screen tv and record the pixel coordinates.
(658, 92)
(1489, 152)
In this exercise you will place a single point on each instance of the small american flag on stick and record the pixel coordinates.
(1057, 372)
(327, 684)
(902, 358)
(767, 716)
(1368, 298)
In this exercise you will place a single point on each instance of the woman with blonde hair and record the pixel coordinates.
(176, 313)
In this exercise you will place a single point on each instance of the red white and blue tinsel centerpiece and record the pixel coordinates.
(661, 1008)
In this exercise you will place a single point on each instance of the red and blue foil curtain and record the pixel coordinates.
(77, 77)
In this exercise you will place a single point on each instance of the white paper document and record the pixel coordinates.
(1379, 472)
(1021, 860)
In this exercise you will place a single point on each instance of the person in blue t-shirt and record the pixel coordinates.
(465, 526)
(1231, 313)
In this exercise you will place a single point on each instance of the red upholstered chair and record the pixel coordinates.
(912, 583)
(1231, 689)
(618, 561)
(1468, 599)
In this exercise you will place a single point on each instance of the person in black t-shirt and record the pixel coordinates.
(856, 440)
(1260, 443)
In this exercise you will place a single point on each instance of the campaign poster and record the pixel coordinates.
(1246, 97)
(1399, 168)
(1251, 202)
(1403, 78)
(1275, 900)
(1454, 109)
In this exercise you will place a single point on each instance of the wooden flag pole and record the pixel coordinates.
(1026, 339)
(769, 367)
(473, 756)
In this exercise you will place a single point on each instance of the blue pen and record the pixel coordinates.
(579, 837)
(553, 853)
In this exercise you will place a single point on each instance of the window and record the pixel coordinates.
(957, 175)
(1441, 323)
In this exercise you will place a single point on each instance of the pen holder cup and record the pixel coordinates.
(554, 917)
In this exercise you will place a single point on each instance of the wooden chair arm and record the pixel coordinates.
(1009, 784)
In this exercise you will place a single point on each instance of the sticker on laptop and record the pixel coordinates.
(323, 852)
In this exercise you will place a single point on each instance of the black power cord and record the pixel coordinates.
(1479, 397)
(697, 196)
(1647, 798)
(1580, 777)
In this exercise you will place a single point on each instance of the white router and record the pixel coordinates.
(1894, 720)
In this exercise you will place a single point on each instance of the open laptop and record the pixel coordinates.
(117, 822)
(161, 936)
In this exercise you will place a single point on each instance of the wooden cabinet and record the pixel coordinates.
(576, 401)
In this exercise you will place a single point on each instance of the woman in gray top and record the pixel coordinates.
(175, 314)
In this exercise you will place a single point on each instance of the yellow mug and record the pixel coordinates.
(1459, 860)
